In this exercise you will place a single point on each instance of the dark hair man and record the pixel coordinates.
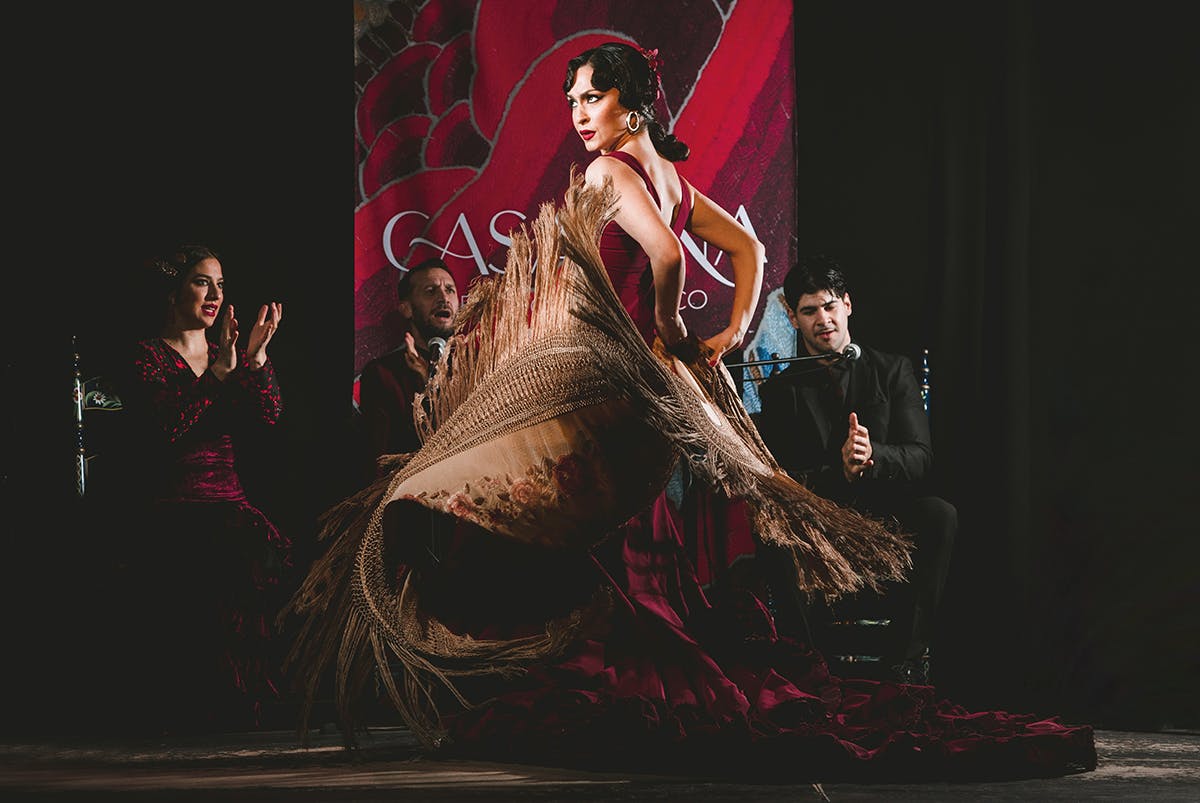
(855, 430)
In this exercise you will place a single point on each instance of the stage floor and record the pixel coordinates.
(272, 766)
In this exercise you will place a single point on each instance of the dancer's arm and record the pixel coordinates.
(715, 226)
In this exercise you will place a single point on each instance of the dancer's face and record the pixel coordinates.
(198, 299)
(598, 117)
(822, 319)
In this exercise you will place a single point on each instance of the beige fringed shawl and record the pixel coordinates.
(552, 422)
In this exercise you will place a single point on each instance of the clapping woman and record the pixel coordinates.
(211, 562)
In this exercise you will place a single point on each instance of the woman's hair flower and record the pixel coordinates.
(164, 267)
(655, 62)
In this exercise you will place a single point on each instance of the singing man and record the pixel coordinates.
(427, 298)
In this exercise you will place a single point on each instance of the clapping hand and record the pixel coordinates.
(856, 451)
(265, 326)
(413, 359)
(226, 353)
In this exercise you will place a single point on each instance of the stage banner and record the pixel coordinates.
(462, 131)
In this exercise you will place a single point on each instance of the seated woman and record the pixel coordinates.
(208, 564)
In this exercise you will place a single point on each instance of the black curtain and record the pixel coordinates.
(1012, 186)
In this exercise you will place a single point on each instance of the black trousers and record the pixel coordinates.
(911, 605)
(933, 523)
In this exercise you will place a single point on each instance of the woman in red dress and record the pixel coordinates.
(566, 624)
(210, 559)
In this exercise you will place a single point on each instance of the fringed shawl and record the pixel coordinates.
(548, 344)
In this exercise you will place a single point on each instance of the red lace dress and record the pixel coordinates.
(210, 561)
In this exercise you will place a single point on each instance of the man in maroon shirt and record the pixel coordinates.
(428, 299)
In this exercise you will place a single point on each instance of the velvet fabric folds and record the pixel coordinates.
(680, 681)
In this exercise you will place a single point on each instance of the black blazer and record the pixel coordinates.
(882, 390)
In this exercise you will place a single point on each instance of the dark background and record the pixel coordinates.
(228, 124)
(1013, 186)
(1014, 189)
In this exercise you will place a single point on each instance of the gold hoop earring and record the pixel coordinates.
(633, 122)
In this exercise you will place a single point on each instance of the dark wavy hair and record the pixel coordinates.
(616, 64)
(812, 274)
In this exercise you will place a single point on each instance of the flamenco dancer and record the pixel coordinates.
(565, 624)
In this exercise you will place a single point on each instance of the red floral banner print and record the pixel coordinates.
(463, 132)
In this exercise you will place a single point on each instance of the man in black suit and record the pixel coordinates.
(855, 431)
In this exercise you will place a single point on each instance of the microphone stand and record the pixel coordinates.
(441, 526)
(851, 352)
(835, 356)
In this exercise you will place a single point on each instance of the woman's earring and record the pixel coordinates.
(633, 123)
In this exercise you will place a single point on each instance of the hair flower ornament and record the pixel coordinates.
(164, 267)
(655, 62)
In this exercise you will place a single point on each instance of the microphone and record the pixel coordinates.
(852, 352)
(436, 346)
